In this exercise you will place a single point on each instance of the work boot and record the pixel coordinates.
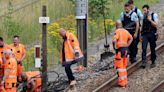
(133, 60)
(153, 64)
(143, 65)
(73, 82)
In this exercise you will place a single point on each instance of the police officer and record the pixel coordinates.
(130, 22)
(136, 10)
(71, 53)
(149, 34)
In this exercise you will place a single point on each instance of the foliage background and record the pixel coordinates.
(20, 17)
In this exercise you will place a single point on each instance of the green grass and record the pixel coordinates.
(25, 23)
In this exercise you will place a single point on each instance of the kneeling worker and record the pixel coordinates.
(31, 81)
(121, 41)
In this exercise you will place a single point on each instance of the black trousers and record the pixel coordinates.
(148, 38)
(68, 69)
(133, 48)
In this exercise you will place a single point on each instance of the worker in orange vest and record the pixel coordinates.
(10, 72)
(19, 52)
(121, 41)
(32, 81)
(3, 47)
(71, 53)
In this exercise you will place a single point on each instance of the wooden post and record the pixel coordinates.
(44, 52)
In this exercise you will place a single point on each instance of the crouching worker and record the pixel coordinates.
(121, 41)
(71, 53)
(10, 72)
(31, 81)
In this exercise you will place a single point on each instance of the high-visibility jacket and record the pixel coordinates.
(18, 51)
(11, 79)
(5, 47)
(37, 80)
(71, 46)
(122, 36)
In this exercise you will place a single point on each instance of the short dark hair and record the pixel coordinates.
(1, 39)
(15, 36)
(126, 4)
(145, 6)
(131, 2)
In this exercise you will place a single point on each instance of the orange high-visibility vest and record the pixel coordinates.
(18, 51)
(11, 69)
(37, 80)
(71, 45)
(122, 37)
(5, 47)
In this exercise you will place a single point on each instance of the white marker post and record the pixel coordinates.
(37, 56)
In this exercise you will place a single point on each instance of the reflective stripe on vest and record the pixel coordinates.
(122, 77)
(121, 70)
(121, 41)
(11, 76)
(70, 44)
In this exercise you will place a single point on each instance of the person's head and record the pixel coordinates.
(145, 9)
(22, 77)
(62, 32)
(131, 3)
(8, 53)
(16, 40)
(118, 24)
(1, 42)
(127, 7)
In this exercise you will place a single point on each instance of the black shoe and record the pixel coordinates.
(153, 65)
(143, 65)
(133, 60)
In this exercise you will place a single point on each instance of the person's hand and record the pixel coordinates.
(2, 82)
(149, 18)
(76, 57)
(135, 36)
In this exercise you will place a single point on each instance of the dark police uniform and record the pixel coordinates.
(149, 35)
(129, 23)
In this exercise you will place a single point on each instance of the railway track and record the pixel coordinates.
(159, 87)
(131, 69)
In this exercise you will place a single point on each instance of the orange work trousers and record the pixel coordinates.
(120, 65)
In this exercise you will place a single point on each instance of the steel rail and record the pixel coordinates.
(158, 88)
(131, 69)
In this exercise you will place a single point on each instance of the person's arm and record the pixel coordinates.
(115, 38)
(23, 53)
(137, 25)
(130, 39)
(121, 16)
(155, 22)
